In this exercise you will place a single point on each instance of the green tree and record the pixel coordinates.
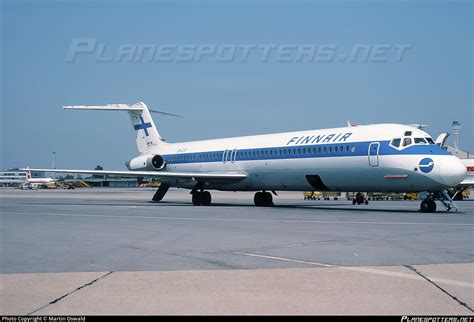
(98, 167)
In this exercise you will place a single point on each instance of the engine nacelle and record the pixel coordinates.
(146, 163)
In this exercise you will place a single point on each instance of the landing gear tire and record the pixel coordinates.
(263, 199)
(197, 198)
(202, 198)
(206, 198)
(428, 205)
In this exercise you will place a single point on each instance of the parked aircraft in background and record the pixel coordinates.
(34, 183)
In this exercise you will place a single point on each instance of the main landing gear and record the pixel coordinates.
(202, 198)
(360, 199)
(263, 199)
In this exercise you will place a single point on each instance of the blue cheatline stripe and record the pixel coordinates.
(301, 152)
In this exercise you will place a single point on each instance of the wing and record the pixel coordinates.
(160, 175)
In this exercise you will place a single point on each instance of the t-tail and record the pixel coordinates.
(147, 135)
(28, 174)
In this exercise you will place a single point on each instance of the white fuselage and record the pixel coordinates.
(361, 158)
(40, 180)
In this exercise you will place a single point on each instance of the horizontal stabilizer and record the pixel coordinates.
(133, 108)
(147, 135)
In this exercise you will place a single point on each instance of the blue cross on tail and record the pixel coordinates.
(143, 126)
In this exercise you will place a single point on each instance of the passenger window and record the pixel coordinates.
(396, 142)
(341, 149)
(330, 149)
(406, 141)
(353, 149)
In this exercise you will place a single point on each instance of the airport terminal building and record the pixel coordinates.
(17, 177)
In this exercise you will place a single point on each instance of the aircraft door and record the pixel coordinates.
(233, 155)
(373, 152)
(229, 156)
(225, 155)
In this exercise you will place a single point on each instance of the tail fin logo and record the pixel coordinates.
(143, 126)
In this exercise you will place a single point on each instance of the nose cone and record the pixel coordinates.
(453, 171)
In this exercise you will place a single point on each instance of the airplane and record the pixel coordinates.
(32, 183)
(369, 158)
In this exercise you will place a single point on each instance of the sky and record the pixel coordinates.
(56, 53)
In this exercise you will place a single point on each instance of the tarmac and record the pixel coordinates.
(113, 251)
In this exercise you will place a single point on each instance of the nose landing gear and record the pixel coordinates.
(429, 204)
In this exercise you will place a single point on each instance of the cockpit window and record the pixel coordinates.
(408, 133)
(396, 142)
(420, 141)
(406, 141)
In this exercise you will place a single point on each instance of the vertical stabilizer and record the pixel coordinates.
(147, 134)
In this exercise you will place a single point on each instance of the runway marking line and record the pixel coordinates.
(243, 220)
(377, 271)
(285, 259)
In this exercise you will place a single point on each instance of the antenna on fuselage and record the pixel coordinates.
(419, 126)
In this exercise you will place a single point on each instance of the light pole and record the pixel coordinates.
(455, 127)
(53, 160)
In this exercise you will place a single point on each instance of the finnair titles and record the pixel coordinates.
(319, 138)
